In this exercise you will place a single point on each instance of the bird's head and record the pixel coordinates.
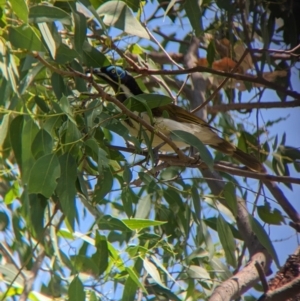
(120, 80)
(114, 74)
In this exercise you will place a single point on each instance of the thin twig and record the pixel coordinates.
(162, 83)
(6, 253)
(262, 276)
(222, 84)
(29, 282)
(162, 48)
(182, 87)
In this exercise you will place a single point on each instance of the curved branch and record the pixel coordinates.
(239, 283)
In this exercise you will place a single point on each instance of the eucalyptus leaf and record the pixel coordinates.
(119, 15)
(192, 140)
(43, 175)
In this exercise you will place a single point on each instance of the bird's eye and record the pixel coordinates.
(113, 71)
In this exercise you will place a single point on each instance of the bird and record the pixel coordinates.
(169, 118)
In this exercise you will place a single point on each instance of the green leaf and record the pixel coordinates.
(220, 268)
(101, 256)
(10, 272)
(194, 14)
(29, 78)
(65, 54)
(230, 197)
(93, 57)
(66, 108)
(212, 223)
(4, 129)
(107, 222)
(83, 263)
(72, 138)
(76, 290)
(91, 5)
(12, 193)
(141, 102)
(135, 278)
(143, 207)
(12, 73)
(64, 233)
(119, 15)
(130, 287)
(139, 224)
(20, 8)
(48, 38)
(52, 124)
(58, 85)
(196, 202)
(80, 31)
(227, 240)
(127, 197)
(4, 221)
(42, 144)
(37, 204)
(283, 81)
(25, 37)
(161, 266)
(197, 272)
(133, 4)
(264, 239)
(211, 52)
(192, 140)
(169, 7)
(153, 272)
(43, 175)
(225, 4)
(65, 189)
(289, 154)
(127, 174)
(103, 186)
(264, 154)
(80, 83)
(247, 143)
(48, 13)
(30, 129)
(99, 154)
(269, 216)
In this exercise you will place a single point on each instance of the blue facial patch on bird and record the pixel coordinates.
(116, 73)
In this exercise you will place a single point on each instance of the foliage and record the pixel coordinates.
(86, 217)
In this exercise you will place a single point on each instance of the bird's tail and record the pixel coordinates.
(248, 160)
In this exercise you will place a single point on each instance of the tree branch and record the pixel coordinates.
(285, 292)
(248, 276)
(242, 77)
(286, 283)
(252, 105)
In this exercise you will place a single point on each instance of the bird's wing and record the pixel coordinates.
(179, 114)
